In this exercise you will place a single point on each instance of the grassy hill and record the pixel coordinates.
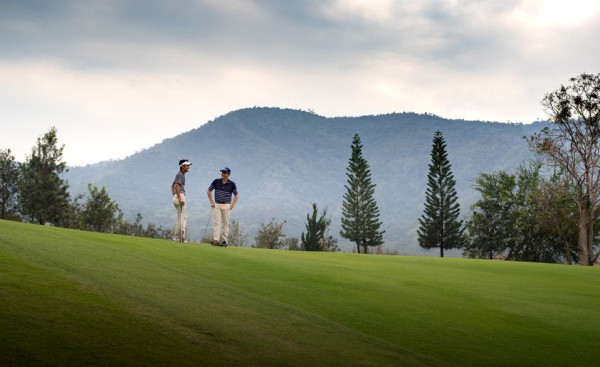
(80, 298)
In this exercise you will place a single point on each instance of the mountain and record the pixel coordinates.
(284, 160)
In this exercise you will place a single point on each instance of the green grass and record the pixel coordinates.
(82, 298)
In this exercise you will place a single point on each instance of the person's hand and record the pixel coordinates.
(212, 204)
(231, 206)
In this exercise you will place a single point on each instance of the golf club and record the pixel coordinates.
(181, 232)
(208, 221)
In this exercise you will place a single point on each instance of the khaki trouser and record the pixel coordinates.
(221, 220)
(179, 234)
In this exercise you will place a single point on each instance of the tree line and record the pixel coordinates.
(34, 192)
(546, 211)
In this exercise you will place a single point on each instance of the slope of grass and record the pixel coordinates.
(82, 298)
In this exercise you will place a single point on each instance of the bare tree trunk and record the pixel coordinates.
(583, 236)
(590, 239)
(568, 254)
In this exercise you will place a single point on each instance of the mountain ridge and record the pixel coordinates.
(283, 160)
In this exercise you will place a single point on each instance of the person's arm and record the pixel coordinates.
(209, 194)
(235, 197)
(178, 193)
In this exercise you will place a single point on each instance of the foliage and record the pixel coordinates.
(439, 225)
(74, 215)
(315, 230)
(490, 224)
(83, 214)
(360, 214)
(84, 298)
(136, 228)
(558, 214)
(573, 145)
(238, 236)
(43, 195)
(329, 242)
(100, 212)
(271, 235)
(153, 231)
(509, 219)
(291, 243)
(9, 178)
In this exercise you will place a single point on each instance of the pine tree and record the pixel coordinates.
(360, 214)
(316, 227)
(100, 211)
(9, 175)
(44, 195)
(439, 224)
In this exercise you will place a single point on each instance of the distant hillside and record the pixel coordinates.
(284, 160)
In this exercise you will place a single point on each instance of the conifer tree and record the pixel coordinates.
(439, 224)
(316, 227)
(9, 175)
(44, 195)
(101, 211)
(360, 214)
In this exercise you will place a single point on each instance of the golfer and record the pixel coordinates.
(224, 189)
(178, 190)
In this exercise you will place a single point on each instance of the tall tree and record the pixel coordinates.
(43, 194)
(100, 211)
(315, 230)
(513, 218)
(533, 241)
(573, 144)
(491, 223)
(439, 225)
(360, 214)
(9, 176)
(558, 214)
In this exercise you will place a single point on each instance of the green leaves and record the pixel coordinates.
(360, 214)
(43, 193)
(100, 211)
(316, 227)
(439, 226)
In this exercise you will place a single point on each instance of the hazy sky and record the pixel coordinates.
(118, 76)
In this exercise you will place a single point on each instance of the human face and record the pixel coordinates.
(225, 176)
(185, 168)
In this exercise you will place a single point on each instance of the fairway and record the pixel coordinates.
(82, 298)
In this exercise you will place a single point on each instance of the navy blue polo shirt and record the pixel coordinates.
(223, 193)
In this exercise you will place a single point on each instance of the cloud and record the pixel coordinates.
(113, 66)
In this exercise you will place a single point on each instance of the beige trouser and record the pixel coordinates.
(179, 234)
(221, 220)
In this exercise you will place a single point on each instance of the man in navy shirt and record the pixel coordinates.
(224, 189)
